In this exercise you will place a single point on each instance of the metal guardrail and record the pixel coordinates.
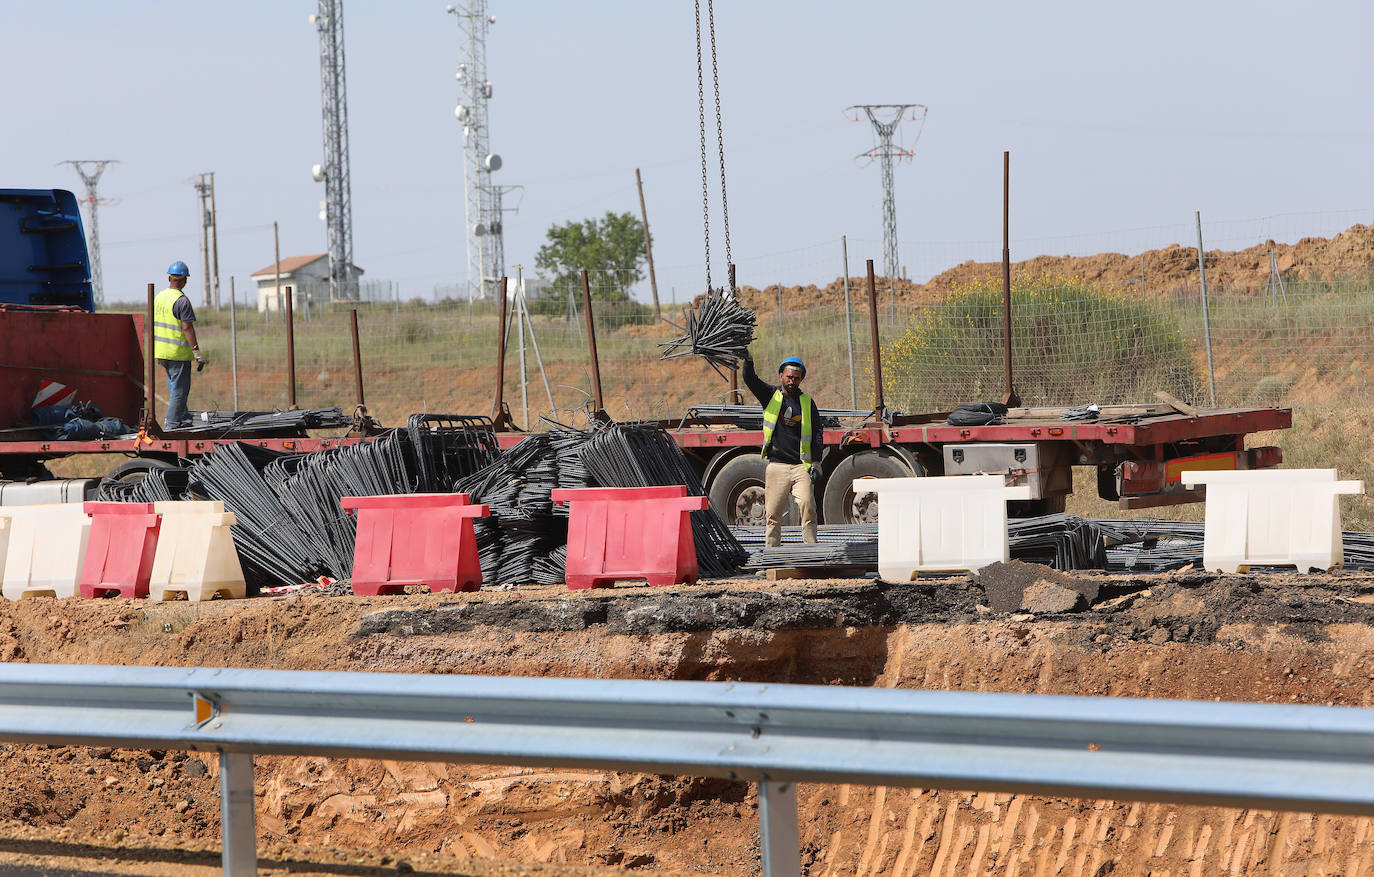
(1233, 754)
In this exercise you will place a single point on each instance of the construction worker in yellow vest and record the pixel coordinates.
(175, 345)
(791, 444)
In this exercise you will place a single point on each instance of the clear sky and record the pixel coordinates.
(1121, 118)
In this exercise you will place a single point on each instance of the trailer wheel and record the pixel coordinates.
(737, 493)
(841, 505)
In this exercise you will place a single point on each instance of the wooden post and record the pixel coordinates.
(290, 353)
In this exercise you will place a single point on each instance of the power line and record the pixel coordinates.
(90, 172)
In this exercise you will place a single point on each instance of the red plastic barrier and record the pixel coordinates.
(415, 539)
(617, 533)
(119, 557)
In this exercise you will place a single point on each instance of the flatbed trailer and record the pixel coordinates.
(1138, 451)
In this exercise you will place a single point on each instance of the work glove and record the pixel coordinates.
(200, 361)
(748, 358)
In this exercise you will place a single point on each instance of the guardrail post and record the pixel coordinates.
(778, 829)
(238, 828)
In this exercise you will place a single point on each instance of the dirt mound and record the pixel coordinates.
(1165, 270)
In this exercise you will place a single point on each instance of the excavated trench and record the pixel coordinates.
(1282, 638)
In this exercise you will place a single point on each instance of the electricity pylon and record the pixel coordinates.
(886, 119)
(90, 172)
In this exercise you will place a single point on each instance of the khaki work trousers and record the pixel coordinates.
(780, 481)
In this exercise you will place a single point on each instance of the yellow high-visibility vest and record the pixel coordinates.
(169, 341)
(770, 422)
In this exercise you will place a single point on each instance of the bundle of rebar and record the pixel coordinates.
(243, 422)
(159, 484)
(1061, 541)
(519, 542)
(720, 329)
(272, 550)
(448, 447)
(643, 455)
(311, 485)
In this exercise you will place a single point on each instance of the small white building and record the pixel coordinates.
(308, 276)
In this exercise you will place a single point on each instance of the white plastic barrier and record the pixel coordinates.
(1272, 517)
(942, 524)
(195, 553)
(47, 545)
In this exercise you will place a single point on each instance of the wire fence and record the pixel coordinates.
(1274, 337)
(1313, 342)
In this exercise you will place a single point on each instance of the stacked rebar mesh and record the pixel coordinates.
(643, 455)
(525, 537)
(310, 486)
(719, 329)
(158, 484)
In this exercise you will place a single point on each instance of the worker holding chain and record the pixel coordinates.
(791, 444)
(175, 344)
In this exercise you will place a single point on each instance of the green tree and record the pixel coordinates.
(610, 248)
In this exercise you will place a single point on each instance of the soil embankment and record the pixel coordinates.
(1285, 639)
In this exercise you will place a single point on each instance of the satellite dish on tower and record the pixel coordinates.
(460, 113)
(479, 229)
(492, 162)
(317, 171)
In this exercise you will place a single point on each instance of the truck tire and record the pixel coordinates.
(840, 505)
(737, 494)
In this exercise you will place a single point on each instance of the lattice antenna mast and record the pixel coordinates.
(886, 119)
(90, 172)
(482, 201)
(338, 198)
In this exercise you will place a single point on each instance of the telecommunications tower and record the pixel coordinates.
(886, 118)
(90, 172)
(482, 204)
(338, 199)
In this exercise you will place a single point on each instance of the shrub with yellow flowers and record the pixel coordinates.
(1072, 344)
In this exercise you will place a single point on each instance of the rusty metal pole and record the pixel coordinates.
(734, 372)
(498, 416)
(648, 245)
(290, 352)
(150, 389)
(1011, 400)
(357, 357)
(877, 350)
(591, 341)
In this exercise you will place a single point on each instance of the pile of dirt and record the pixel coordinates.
(1165, 271)
(1300, 639)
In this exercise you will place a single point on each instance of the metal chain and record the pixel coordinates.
(720, 132)
(701, 126)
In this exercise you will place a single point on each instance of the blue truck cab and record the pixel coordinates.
(43, 256)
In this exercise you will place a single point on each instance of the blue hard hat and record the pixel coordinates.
(179, 269)
(793, 360)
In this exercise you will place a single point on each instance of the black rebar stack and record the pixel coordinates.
(159, 484)
(448, 447)
(525, 529)
(719, 329)
(643, 455)
(271, 547)
(311, 485)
